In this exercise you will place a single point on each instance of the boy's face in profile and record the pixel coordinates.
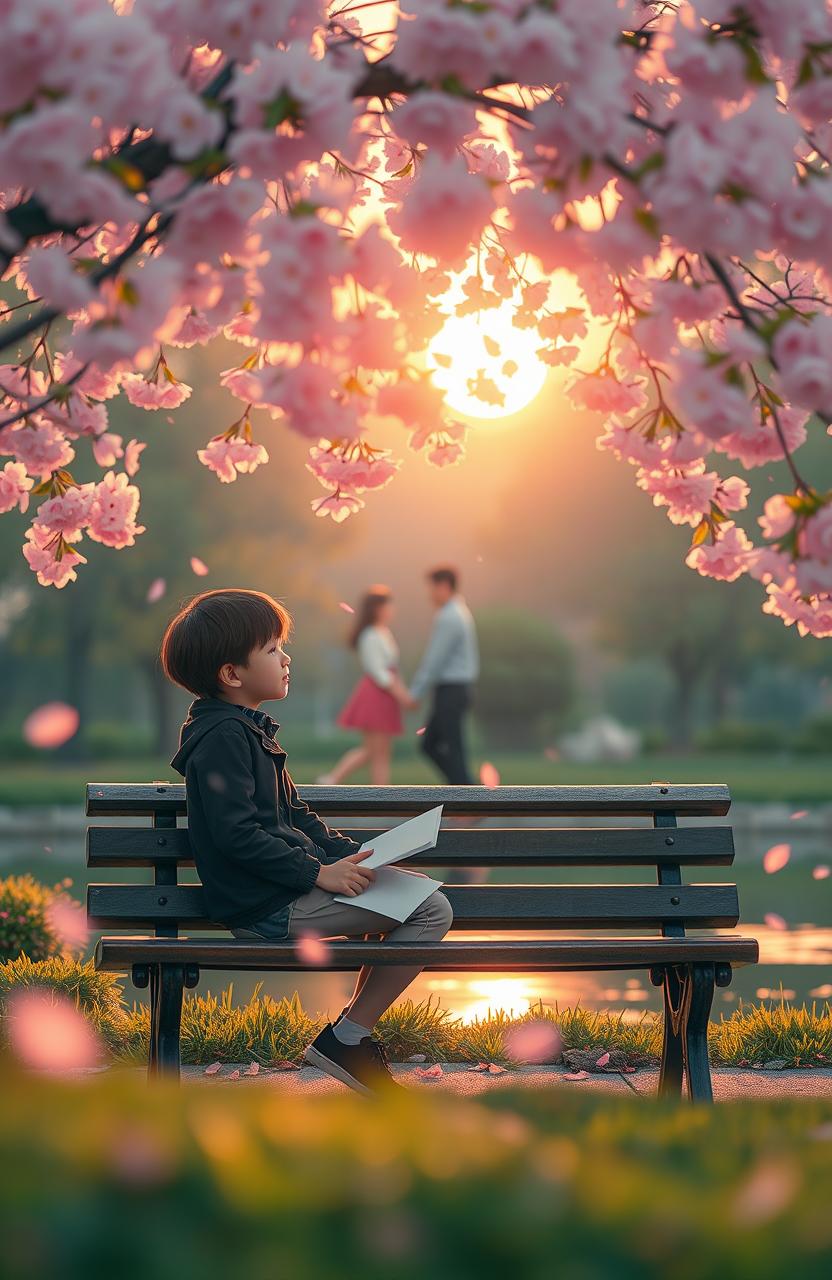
(265, 676)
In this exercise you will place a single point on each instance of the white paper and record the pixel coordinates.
(408, 838)
(395, 893)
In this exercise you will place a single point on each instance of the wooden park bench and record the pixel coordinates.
(634, 926)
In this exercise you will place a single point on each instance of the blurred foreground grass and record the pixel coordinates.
(107, 1177)
(772, 777)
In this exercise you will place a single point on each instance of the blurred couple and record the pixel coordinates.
(447, 672)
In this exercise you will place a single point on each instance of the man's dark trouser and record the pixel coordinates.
(442, 741)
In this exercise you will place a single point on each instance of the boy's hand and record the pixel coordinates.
(346, 876)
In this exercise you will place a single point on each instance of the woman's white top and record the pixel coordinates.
(378, 652)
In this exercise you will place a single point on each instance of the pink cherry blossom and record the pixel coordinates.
(199, 567)
(54, 277)
(445, 209)
(156, 393)
(48, 557)
(228, 458)
(603, 393)
(156, 590)
(113, 512)
(69, 512)
(14, 487)
(687, 495)
(725, 559)
(42, 449)
(816, 536)
(338, 505)
(435, 120)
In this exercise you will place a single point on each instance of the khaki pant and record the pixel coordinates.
(317, 914)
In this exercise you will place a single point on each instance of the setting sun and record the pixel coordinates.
(485, 365)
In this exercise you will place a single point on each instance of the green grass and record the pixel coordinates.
(114, 1178)
(266, 1030)
(788, 778)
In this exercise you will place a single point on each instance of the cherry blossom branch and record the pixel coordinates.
(149, 156)
(59, 389)
(765, 399)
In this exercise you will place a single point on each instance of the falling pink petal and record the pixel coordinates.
(494, 1069)
(489, 774)
(603, 1060)
(51, 725)
(233, 1075)
(774, 921)
(537, 1041)
(47, 848)
(551, 753)
(429, 1073)
(775, 858)
(342, 604)
(419, 732)
(252, 1070)
(628, 1070)
(481, 1066)
(312, 950)
(767, 1192)
(575, 1075)
(46, 1031)
(286, 1064)
(199, 567)
(820, 872)
(68, 921)
(798, 814)
(156, 590)
(213, 1069)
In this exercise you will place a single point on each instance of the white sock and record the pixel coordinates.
(350, 1032)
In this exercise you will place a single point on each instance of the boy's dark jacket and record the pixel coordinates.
(257, 846)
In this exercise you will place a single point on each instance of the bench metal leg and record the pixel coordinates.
(166, 1017)
(672, 1068)
(688, 994)
(695, 1032)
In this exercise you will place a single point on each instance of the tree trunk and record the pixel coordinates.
(78, 655)
(165, 738)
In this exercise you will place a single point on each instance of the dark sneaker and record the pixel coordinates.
(363, 1067)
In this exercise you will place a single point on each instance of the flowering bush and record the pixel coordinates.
(309, 181)
(36, 921)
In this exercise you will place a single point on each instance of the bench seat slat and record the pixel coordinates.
(131, 799)
(475, 906)
(482, 846)
(562, 954)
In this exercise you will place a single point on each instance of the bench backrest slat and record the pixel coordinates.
(481, 846)
(475, 906)
(133, 799)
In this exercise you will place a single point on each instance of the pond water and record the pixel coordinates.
(789, 912)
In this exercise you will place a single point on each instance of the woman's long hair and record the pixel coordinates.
(367, 616)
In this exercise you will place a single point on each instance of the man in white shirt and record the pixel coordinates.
(450, 667)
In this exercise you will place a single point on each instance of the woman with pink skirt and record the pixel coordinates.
(375, 705)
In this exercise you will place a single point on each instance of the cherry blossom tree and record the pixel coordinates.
(308, 180)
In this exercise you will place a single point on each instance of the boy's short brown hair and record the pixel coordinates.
(217, 627)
